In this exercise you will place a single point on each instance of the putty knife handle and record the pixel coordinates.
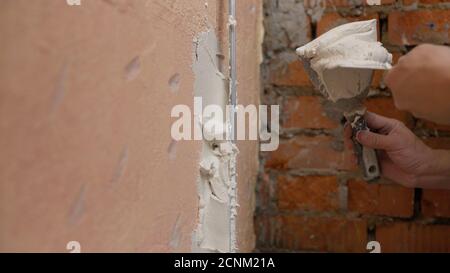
(367, 157)
(370, 164)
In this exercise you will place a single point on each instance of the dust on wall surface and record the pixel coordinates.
(310, 195)
(85, 99)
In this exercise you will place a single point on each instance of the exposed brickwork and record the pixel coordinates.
(409, 2)
(306, 112)
(420, 26)
(385, 106)
(434, 126)
(310, 152)
(413, 237)
(332, 20)
(348, 3)
(379, 199)
(311, 195)
(286, 25)
(436, 203)
(290, 74)
(264, 190)
(314, 233)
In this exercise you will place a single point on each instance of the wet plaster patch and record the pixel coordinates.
(217, 166)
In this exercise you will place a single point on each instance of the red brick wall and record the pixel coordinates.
(310, 194)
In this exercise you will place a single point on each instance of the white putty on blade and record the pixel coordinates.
(340, 64)
(217, 164)
(344, 59)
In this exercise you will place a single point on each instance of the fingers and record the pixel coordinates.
(375, 141)
(348, 145)
(392, 172)
(378, 122)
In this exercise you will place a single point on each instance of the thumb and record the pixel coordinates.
(373, 140)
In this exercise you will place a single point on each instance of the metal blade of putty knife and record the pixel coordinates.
(345, 58)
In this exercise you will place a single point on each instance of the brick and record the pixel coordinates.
(353, 3)
(384, 2)
(311, 152)
(308, 193)
(286, 25)
(290, 74)
(427, 2)
(422, 26)
(328, 234)
(377, 78)
(332, 20)
(306, 112)
(413, 237)
(395, 57)
(436, 203)
(380, 199)
(438, 142)
(386, 107)
(434, 126)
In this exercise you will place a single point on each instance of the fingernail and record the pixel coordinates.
(360, 135)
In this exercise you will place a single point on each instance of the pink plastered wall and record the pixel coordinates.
(85, 99)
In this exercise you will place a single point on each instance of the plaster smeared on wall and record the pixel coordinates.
(217, 161)
(283, 23)
(315, 9)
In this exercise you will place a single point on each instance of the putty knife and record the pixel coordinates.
(346, 57)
